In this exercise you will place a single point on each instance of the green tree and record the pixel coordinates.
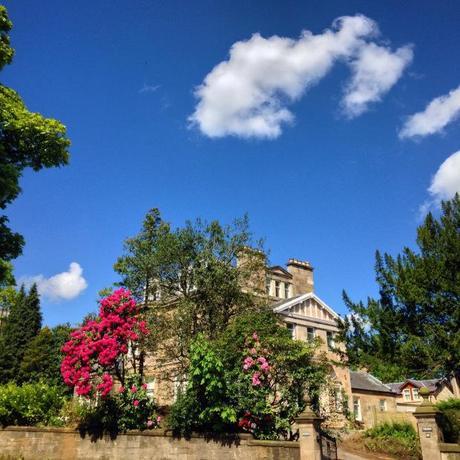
(224, 393)
(413, 328)
(22, 325)
(190, 278)
(27, 140)
(42, 357)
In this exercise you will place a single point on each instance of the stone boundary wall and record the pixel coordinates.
(31, 443)
(449, 451)
(394, 417)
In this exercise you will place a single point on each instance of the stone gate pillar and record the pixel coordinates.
(309, 438)
(427, 425)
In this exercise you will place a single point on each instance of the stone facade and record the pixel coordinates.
(374, 407)
(289, 292)
(31, 443)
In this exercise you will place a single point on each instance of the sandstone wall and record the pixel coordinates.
(31, 443)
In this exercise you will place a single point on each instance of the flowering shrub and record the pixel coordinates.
(98, 350)
(137, 410)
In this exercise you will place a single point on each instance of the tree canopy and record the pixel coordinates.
(413, 328)
(189, 278)
(27, 140)
(23, 323)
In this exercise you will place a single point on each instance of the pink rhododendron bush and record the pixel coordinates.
(253, 378)
(103, 353)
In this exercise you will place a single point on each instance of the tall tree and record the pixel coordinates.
(27, 140)
(138, 267)
(22, 325)
(413, 328)
(190, 277)
(43, 356)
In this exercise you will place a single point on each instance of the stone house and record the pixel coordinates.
(372, 400)
(289, 291)
(407, 392)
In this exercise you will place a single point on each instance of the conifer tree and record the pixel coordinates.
(22, 325)
(413, 328)
(42, 357)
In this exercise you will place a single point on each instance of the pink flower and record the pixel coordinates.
(133, 389)
(135, 403)
(149, 423)
(158, 419)
(255, 336)
(253, 351)
(247, 363)
(255, 379)
(144, 386)
(121, 389)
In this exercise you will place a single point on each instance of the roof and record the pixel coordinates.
(281, 269)
(285, 304)
(367, 382)
(431, 384)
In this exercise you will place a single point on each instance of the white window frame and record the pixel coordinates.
(383, 405)
(407, 395)
(277, 289)
(292, 327)
(287, 290)
(330, 340)
(310, 339)
(357, 409)
(415, 394)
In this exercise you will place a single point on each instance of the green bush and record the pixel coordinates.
(450, 419)
(251, 378)
(30, 404)
(398, 439)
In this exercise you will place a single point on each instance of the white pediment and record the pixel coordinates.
(309, 306)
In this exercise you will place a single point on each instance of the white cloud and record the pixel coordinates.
(375, 70)
(437, 114)
(445, 183)
(247, 94)
(63, 286)
(149, 88)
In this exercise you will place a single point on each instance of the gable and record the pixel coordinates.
(309, 306)
(280, 271)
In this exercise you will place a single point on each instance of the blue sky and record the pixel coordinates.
(329, 188)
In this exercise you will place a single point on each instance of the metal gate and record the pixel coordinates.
(328, 446)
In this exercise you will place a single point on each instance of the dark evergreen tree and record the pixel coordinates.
(413, 328)
(22, 325)
(43, 356)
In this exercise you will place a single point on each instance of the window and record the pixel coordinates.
(310, 334)
(277, 288)
(383, 405)
(357, 409)
(286, 290)
(291, 328)
(150, 387)
(180, 385)
(406, 394)
(415, 394)
(268, 283)
(338, 399)
(330, 340)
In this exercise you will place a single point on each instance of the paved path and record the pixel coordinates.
(350, 454)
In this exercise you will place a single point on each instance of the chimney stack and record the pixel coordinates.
(302, 276)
